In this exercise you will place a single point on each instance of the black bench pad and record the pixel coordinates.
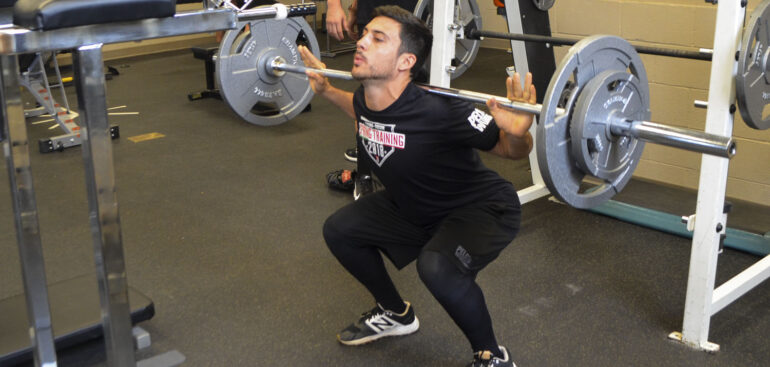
(53, 14)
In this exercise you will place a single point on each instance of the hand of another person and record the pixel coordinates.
(336, 21)
(352, 18)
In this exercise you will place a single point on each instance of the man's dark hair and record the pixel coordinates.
(416, 38)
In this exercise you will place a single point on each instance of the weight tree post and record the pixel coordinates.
(519, 52)
(710, 221)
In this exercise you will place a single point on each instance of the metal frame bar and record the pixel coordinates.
(444, 38)
(16, 148)
(103, 205)
(702, 301)
(736, 287)
(20, 40)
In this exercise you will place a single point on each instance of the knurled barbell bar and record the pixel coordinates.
(700, 54)
(593, 120)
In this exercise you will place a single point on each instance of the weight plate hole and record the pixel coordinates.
(766, 112)
(265, 109)
(589, 184)
(566, 92)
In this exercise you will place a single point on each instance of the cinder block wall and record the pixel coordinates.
(674, 83)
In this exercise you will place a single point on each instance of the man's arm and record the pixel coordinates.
(321, 86)
(515, 141)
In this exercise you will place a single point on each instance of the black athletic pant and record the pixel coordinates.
(449, 254)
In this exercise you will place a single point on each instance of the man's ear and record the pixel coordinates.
(406, 60)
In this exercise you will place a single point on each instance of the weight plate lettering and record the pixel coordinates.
(752, 82)
(469, 16)
(610, 97)
(584, 61)
(260, 97)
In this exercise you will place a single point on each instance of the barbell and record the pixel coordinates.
(592, 123)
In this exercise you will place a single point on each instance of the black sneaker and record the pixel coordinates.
(486, 359)
(352, 154)
(343, 180)
(379, 323)
(364, 185)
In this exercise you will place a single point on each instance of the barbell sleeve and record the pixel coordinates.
(276, 11)
(687, 139)
(701, 54)
(676, 137)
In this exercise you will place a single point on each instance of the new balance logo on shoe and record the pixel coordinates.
(380, 323)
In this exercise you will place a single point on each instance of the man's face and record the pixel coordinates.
(377, 51)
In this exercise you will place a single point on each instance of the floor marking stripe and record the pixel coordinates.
(145, 137)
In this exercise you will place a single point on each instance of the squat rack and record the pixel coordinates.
(709, 224)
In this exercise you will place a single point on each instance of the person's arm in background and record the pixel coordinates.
(336, 20)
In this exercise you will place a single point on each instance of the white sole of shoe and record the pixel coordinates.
(406, 330)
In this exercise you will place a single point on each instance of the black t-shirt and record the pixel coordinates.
(366, 8)
(423, 150)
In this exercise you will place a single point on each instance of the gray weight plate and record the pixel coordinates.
(585, 60)
(469, 16)
(255, 94)
(752, 83)
(544, 4)
(610, 96)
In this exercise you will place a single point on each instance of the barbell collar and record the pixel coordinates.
(701, 54)
(676, 137)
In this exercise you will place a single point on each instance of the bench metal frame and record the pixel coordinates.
(85, 43)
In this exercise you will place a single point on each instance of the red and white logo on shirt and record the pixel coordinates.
(380, 140)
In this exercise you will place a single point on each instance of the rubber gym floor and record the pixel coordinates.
(222, 221)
